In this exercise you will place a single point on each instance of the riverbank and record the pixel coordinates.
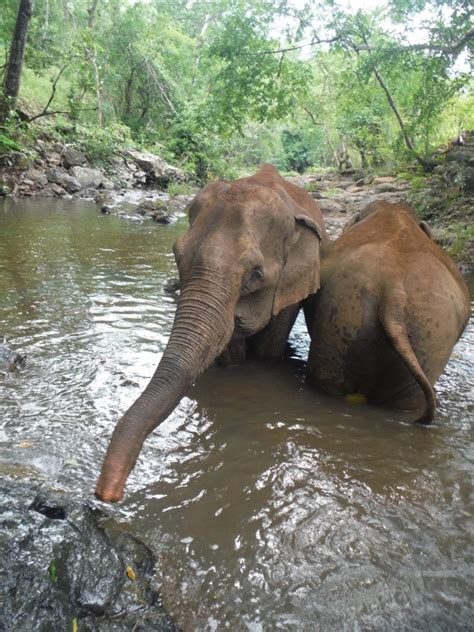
(448, 210)
(142, 184)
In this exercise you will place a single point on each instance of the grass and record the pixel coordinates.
(180, 188)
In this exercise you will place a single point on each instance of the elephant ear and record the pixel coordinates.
(426, 229)
(300, 275)
(350, 223)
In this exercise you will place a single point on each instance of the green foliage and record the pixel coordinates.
(219, 86)
(462, 240)
(7, 144)
(100, 144)
(296, 153)
(179, 188)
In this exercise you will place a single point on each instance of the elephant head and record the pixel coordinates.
(252, 249)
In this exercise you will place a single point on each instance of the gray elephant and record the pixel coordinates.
(391, 307)
(247, 261)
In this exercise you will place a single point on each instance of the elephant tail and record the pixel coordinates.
(393, 321)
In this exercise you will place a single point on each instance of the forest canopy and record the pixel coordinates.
(218, 86)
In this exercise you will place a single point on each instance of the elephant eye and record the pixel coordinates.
(253, 281)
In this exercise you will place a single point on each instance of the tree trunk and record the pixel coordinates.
(11, 85)
(425, 164)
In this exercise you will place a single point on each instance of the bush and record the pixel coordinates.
(100, 144)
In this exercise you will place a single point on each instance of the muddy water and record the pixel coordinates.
(270, 506)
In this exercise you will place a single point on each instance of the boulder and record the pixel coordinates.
(37, 176)
(63, 179)
(67, 565)
(157, 170)
(155, 209)
(330, 206)
(72, 157)
(460, 165)
(386, 187)
(88, 178)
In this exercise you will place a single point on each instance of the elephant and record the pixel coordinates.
(247, 261)
(392, 304)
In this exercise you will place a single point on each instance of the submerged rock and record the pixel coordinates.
(67, 565)
(10, 360)
(156, 209)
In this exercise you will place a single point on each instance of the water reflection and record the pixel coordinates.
(270, 506)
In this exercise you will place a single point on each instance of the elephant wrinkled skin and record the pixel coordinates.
(247, 261)
(391, 307)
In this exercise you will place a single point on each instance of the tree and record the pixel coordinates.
(11, 84)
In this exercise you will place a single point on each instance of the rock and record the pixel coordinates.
(150, 206)
(161, 218)
(58, 190)
(108, 184)
(65, 564)
(5, 187)
(10, 360)
(68, 182)
(103, 198)
(88, 178)
(329, 206)
(53, 158)
(16, 160)
(42, 148)
(58, 148)
(72, 157)
(105, 209)
(386, 187)
(460, 165)
(382, 179)
(157, 170)
(37, 176)
(155, 209)
(171, 286)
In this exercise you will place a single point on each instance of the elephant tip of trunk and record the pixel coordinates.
(109, 492)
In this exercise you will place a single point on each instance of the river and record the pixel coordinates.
(270, 506)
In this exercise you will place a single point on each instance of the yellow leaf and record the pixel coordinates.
(74, 625)
(131, 574)
(355, 398)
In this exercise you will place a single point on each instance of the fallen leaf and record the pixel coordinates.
(355, 398)
(131, 574)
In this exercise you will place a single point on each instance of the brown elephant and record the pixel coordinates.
(391, 307)
(248, 259)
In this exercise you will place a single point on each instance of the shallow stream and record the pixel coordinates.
(269, 506)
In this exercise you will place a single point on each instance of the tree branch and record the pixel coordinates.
(453, 49)
(290, 48)
(53, 93)
(68, 113)
(311, 116)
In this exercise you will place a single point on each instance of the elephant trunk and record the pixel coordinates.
(202, 328)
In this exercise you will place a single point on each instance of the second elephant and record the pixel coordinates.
(391, 307)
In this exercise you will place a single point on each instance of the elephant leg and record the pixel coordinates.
(271, 343)
(235, 353)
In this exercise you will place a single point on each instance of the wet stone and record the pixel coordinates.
(63, 560)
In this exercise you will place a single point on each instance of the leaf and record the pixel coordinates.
(132, 576)
(52, 572)
(355, 399)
